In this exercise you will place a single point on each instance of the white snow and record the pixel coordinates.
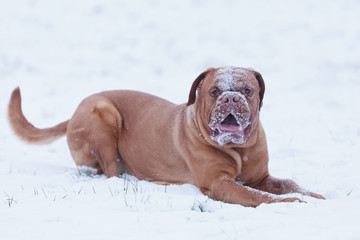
(59, 52)
(227, 77)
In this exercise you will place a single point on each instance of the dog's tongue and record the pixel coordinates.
(230, 125)
(230, 128)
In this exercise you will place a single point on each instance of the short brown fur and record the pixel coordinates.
(155, 140)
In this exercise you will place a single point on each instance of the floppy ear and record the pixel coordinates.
(261, 86)
(195, 86)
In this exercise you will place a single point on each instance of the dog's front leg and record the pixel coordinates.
(227, 190)
(283, 186)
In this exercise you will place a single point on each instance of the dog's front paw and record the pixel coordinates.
(315, 195)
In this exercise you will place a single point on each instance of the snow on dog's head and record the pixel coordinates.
(229, 100)
(227, 77)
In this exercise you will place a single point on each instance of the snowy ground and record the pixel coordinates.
(61, 51)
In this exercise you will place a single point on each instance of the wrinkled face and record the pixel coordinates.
(230, 102)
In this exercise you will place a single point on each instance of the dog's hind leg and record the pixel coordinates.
(93, 135)
(107, 158)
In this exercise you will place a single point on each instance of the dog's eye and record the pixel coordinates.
(247, 91)
(214, 92)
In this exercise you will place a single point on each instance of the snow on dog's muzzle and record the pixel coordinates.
(230, 119)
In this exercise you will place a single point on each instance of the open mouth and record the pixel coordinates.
(229, 124)
(231, 131)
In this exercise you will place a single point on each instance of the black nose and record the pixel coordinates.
(231, 98)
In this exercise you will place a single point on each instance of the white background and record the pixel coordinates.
(61, 51)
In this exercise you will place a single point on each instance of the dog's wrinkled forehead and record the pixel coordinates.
(228, 77)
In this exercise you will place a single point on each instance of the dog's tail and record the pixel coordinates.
(25, 130)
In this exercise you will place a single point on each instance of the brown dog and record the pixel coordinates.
(215, 141)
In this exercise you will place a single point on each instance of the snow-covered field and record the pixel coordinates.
(61, 51)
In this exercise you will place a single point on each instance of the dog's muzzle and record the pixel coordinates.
(230, 119)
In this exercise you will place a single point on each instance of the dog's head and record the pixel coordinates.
(227, 102)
